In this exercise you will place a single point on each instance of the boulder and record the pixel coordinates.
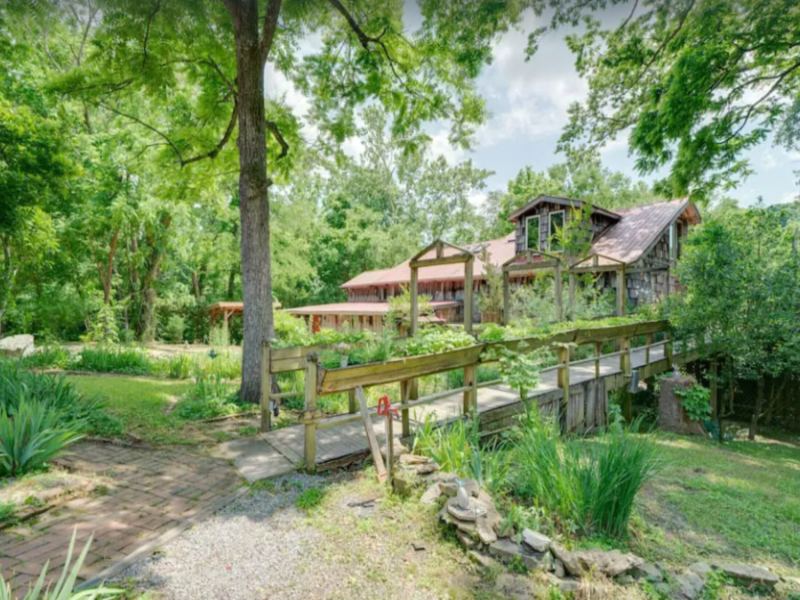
(482, 560)
(701, 568)
(414, 459)
(566, 585)
(558, 569)
(649, 572)
(671, 416)
(748, 574)
(612, 563)
(450, 487)
(486, 531)
(466, 540)
(17, 345)
(537, 541)
(567, 558)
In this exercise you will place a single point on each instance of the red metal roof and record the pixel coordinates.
(500, 250)
(357, 308)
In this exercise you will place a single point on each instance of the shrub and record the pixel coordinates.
(64, 588)
(696, 401)
(46, 358)
(103, 328)
(223, 365)
(109, 359)
(30, 437)
(431, 340)
(179, 366)
(210, 397)
(174, 329)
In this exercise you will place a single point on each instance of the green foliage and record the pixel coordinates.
(695, 400)
(174, 329)
(209, 397)
(104, 328)
(179, 366)
(113, 359)
(48, 357)
(432, 340)
(310, 498)
(399, 314)
(64, 586)
(519, 368)
(30, 436)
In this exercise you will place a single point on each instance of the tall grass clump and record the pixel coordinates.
(210, 396)
(586, 485)
(48, 357)
(111, 359)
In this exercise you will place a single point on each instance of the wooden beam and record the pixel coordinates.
(571, 296)
(506, 299)
(414, 301)
(622, 292)
(444, 260)
(562, 377)
(468, 284)
(470, 400)
(625, 356)
(405, 394)
(310, 415)
(266, 390)
(372, 439)
(558, 292)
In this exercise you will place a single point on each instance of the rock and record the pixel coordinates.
(567, 558)
(450, 487)
(748, 574)
(688, 585)
(514, 586)
(701, 568)
(404, 482)
(558, 569)
(566, 585)
(648, 572)
(465, 540)
(465, 514)
(508, 551)
(17, 345)
(612, 563)
(399, 452)
(486, 531)
(432, 494)
(414, 459)
(537, 541)
(464, 526)
(426, 469)
(482, 560)
(625, 580)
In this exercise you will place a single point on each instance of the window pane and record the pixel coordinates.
(556, 223)
(532, 226)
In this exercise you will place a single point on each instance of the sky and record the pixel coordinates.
(527, 103)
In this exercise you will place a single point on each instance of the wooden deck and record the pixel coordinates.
(281, 450)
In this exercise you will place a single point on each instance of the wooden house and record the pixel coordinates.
(635, 247)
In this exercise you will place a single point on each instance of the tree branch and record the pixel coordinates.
(269, 28)
(150, 17)
(276, 133)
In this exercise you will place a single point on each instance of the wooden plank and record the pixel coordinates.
(336, 380)
(405, 392)
(414, 301)
(506, 298)
(310, 416)
(622, 292)
(470, 398)
(371, 437)
(468, 292)
(266, 389)
(445, 260)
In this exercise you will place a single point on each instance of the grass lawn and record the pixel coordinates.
(739, 500)
(141, 403)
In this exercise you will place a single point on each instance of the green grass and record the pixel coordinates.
(140, 403)
(740, 500)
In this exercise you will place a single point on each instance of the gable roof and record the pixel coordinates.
(639, 228)
(500, 250)
(566, 202)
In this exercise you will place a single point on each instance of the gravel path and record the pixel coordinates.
(359, 544)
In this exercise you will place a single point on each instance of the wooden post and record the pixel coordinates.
(310, 414)
(668, 351)
(390, 445)
(571, 296)
(372, 439)
(648, 340)
(470, 402)
(621, 291)
(506, 298)
(352, 405)
(557, 285)
(266, 390)
(598, 348)
(625, 356)
(405, 395)
(562, 378)
(414, 308)
(468, 294)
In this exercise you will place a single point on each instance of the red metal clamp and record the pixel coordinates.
(385, 407)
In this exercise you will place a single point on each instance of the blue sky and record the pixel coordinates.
(528, 101)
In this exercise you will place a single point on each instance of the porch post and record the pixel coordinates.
(413, 291)
(506, 298)
(621, 291)
(468, 295)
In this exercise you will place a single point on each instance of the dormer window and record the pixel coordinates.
(532, 233)
(556, 224)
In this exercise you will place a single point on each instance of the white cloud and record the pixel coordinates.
(440, 146)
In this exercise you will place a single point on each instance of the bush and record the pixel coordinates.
(47, 357)
(31, 436)
(432, 340)
(104, 329)
(109, 359)
(174, 329)
(179, 366)
(210, 397)
(696, 401)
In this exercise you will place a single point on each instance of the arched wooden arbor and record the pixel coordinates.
(443, 253)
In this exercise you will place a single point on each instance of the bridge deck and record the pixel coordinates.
(281, 450)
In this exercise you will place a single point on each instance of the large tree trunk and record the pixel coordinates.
(253, 202)
(158, 242)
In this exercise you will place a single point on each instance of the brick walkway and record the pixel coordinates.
(153, 491)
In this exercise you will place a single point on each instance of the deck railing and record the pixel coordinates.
(406, 371)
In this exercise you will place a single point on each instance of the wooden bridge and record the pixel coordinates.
(578, 388)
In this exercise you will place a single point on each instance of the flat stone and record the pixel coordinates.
(611, 563)
(536, 540)
(432, 494)
(558, 568)
(688, 585)
(567, 558)
(414, 459)
(426, 469)
(566, 585)
(450, 487)
(701, 568)
(507, 550)
(464, 526)
(514, 586)
(404, 482)
(476, 509)
(465, 540)
(482, 560)
(254, 458)
(748, 574)
(649, 572)
(486, 531)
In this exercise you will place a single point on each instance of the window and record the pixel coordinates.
(532, 232)
(556, 224)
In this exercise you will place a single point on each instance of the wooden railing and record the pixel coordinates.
(406, 371)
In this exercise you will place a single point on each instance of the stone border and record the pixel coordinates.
(166, 536)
